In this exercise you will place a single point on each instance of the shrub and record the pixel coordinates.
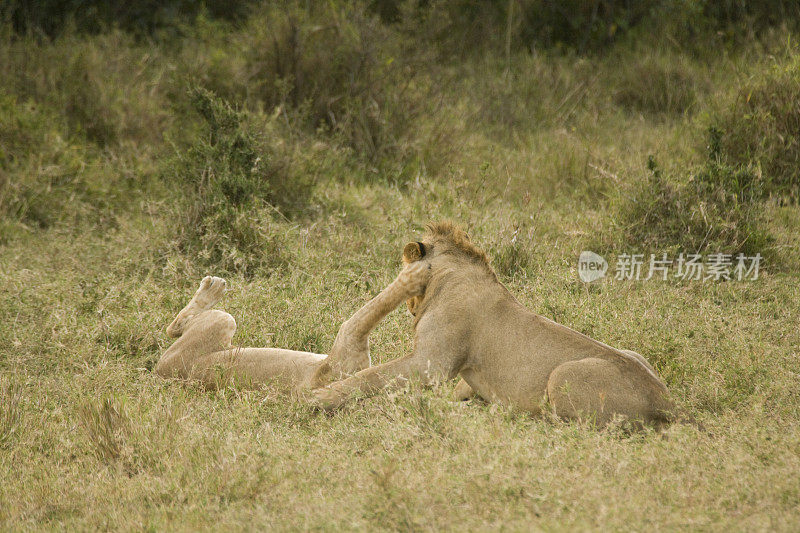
(656, 84)
(107, 89)
(132, 444)
(52, 178)
(66, 109)
(715, 210)
(24, 131)
(329, 68)
(233, 181)
(142, 18)
(762, 126)
(580, 24)
(746, 18)
(337, 67)
(460, 27)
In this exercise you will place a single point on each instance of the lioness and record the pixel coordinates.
(203, 350)
(465, 323)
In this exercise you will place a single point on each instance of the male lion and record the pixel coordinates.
(466, 323)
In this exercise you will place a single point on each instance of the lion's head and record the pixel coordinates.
(444, 243)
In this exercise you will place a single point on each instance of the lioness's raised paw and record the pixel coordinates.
(207, 295)
(414, 278)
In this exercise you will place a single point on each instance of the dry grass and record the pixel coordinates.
(102, 432)
(91, 439)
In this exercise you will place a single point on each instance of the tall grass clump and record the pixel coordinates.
(234, 185)
(762, 126)
(25, 130)
(72, 114)
(513, 255)
(327, 68)
(116, 438)
(656, 84)
(108, 89)
(45, 178)
(716, 209)
(10, 411)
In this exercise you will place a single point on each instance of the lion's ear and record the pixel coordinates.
(413, 251)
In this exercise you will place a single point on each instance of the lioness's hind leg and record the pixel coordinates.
(204, 333)
(207, 295)
(595, 389)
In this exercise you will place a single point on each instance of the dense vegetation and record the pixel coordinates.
(294, 147)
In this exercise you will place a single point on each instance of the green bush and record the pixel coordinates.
(79, 120)
(580, 24)
(234, 182)
(44, 178)
(717, 209)
(24, 130)
(460, 27)
(143, 17)
(335, 67)
(762, 127)
(657, 84)
(747, 18)
(108, 89)
(329, 68)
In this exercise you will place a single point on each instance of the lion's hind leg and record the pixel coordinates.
(463, 391)
(596, 390)
(204, 354)
(203, 350)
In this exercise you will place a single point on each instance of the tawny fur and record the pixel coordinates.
(203, 348)
(466, 323)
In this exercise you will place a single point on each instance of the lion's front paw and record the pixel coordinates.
(414, 277)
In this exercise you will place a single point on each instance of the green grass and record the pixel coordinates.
(109, 222)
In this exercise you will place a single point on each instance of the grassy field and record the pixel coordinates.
(131, 167)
